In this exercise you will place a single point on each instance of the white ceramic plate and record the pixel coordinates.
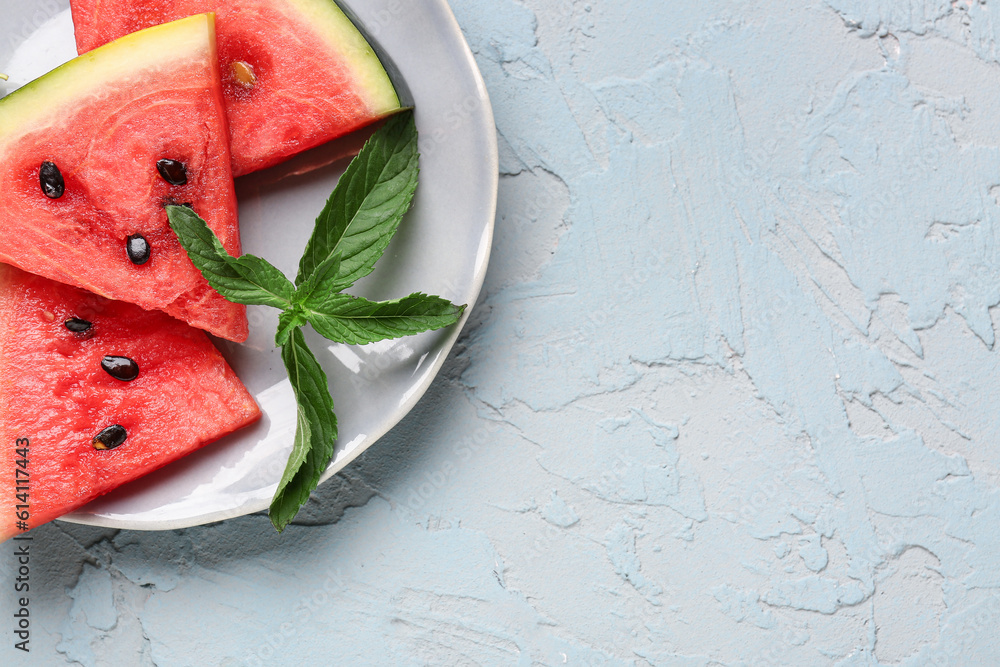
(442, 248)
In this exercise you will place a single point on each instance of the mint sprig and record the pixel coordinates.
(351, 233)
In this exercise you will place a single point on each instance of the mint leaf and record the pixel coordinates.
(315, 433)
(288, 321)
(324, 279)
(247, 279)
(343, 318)
(365, 208)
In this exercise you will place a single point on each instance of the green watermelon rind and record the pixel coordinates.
(82, 77)
(344, 39)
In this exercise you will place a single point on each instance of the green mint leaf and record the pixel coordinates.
(365, 208)
(315, 433)
(343, 318)
(288, 321)
(324, 279)
(247, 279)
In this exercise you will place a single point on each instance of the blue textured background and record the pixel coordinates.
(730, 395)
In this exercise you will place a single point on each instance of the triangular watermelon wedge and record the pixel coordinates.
(91, 152)
(297, 73)
(57, 398)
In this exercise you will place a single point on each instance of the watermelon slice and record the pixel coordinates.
(91, 152)
(297, 73)
(66, 400)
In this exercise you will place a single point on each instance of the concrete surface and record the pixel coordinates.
(730, 396)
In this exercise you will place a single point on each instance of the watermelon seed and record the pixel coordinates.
(243, 74)
(110, 437)
(172, 171)
(138, 249)
(51, 180)
(120, 368)
(77, 325)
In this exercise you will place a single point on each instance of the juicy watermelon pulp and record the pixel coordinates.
(56, 397)
(296, 73)
(105, 120)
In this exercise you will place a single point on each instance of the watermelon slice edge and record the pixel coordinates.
(106, 119)
(185, 396)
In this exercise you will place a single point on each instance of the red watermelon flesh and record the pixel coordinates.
(55, 397)
(105, 120)
(296, 73)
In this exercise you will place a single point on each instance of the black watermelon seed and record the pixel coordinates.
(120, 368)
(172, 171)
(51, 180)
(77, 325)
(138, 249)
(110, 437)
